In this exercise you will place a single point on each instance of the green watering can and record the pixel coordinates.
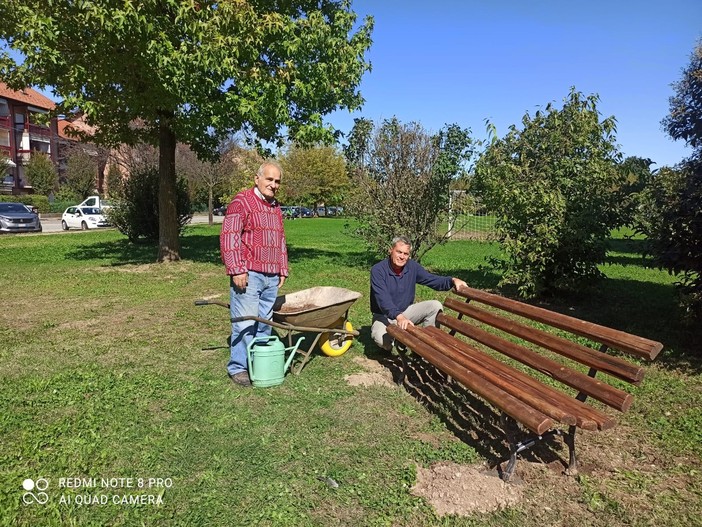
(267, 364)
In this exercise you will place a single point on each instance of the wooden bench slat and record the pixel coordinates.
(599, 390)
(595, 359)
(534, 420)
(639, 346)
(587, 417)
(513, 386)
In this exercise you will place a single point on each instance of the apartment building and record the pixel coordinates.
(24, 131)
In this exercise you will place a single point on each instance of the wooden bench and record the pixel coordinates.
(508, 329)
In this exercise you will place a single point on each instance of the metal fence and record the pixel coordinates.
(469, 219)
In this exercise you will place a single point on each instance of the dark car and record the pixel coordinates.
(220, 211)
(304, 212)
(15, 217)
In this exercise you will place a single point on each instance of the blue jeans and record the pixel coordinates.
(257, 300)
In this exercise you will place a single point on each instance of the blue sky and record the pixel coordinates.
(458, 61)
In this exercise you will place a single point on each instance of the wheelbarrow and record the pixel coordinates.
(322, 310)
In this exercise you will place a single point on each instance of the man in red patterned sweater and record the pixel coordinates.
(252, 243)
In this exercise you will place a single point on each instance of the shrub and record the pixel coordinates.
(67, 194)
(673, 225)
(81, 172)
(136, 214)
(42, 174)
(553, 187)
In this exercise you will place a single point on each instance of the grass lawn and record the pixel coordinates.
(104, 376)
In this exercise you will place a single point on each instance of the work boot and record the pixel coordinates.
(241, 378)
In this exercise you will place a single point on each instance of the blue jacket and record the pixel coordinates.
(391, 294)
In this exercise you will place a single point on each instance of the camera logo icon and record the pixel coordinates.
(39, 485)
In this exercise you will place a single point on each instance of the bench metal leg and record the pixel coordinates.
(519, 446)
(403, 360)
(569, 439)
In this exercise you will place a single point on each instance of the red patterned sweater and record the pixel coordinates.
(252, 237)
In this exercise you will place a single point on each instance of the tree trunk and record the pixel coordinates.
(209, 205)
(168, 243)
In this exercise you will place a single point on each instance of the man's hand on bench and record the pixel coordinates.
(403, 321)
(457, 284)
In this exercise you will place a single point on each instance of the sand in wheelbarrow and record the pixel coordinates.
(294, 308)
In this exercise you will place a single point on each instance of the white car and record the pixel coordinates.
(83, 218)
(95, 202)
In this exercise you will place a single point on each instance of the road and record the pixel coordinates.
(52, 224)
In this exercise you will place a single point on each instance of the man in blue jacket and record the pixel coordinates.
(392, 292)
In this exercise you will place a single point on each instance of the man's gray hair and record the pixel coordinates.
(401, 239)
(269, 163)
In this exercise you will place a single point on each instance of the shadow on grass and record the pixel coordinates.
(203, 249)
(467, 416)
(623, 245)
(630, 252)
(117, 252)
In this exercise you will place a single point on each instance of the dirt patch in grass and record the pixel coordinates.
(375, 374)
(464, 489)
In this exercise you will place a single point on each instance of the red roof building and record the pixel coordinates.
(24, 131)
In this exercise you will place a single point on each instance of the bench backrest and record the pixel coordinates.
(613, 338)
(596, 360)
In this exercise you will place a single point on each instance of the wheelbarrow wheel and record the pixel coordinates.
(336, 344)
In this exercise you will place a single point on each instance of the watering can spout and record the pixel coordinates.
(293, 350)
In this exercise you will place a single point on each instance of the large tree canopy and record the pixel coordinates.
(192, 71)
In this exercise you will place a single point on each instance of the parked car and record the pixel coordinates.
(15, 217)
(8, 182)
(220, 211)
(95, 202)
(83, 218)
(304, 212)
(320, 211)
(288, 213)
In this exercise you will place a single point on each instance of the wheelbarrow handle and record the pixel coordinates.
(295, 328)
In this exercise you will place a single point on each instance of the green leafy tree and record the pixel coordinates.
(81, 172)
(195, 72)
(313, 175)
(674, 227)
(552, 185)
(685, 118)
(636, 177)
(401, 177)
(674, 230)
(42, 174)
